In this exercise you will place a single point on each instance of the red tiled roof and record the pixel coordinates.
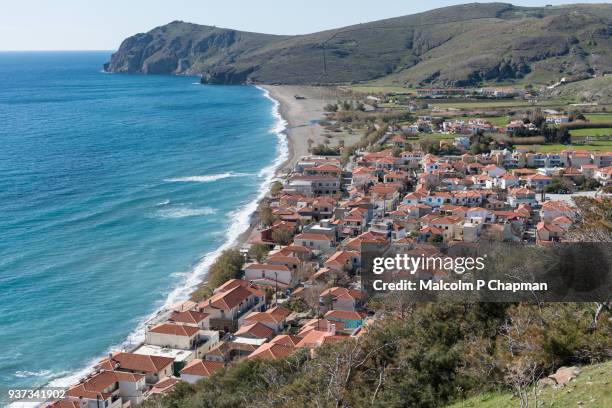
(175, 329)
(135, 362)
(202, 368)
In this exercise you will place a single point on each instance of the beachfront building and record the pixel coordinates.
(270, 275)
(110, 389)
(154, 368)
(230, 301)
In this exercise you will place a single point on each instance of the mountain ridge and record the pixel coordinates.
(457, 45)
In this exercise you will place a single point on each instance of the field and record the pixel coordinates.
(486, 104)
(499, 121)
(432, 136)
(591, 132)
(590, 389)
(377, 89)
(599, 117)
(597, 146)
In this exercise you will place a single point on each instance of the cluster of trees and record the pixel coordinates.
(345, 105)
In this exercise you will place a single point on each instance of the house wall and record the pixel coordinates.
(168, 340)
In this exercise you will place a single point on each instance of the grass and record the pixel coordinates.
(498, 121)
(502, 103)
(379, 89)
(597, 146)
(432, 136)
(590, 389)
(591, 132)
(599, 117)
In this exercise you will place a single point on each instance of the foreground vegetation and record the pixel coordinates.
(423, 355)
(590, 389)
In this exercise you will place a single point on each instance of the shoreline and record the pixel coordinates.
(300, 118)
(293, 124)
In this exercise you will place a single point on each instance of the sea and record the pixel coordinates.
(116, 193)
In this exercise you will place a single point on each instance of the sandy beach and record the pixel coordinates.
(302, 116)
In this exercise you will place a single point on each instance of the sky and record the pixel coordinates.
(103, 24)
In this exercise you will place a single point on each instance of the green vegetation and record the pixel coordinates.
(282, 236)
(259, 252)
(594, 132)
(599, 117)
(459, 45)
(422, 354)
(227, 266)
(596, 146)
(276, 187)
(590, 389)
(499, 121)
(485, 104)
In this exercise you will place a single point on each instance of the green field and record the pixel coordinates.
(499, 121)
(590, 389)
(432, 136)
(378, 89)
(486, 104)
(599, 117)
(598, 146)
(591, 132)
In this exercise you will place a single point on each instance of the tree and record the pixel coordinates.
(282, 236)
(276, 187)
(265, 215)
(258, 252)
(227, 266)
(560, 185)
(331, 107)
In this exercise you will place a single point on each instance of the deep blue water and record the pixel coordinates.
(112, 190)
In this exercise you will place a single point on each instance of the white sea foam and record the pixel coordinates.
(240, 223)
(182, 212)
(162, 203)
(26, 374)
(205, 179)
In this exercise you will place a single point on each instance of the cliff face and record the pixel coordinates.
(459, 45)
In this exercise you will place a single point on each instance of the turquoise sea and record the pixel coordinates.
(116, 192)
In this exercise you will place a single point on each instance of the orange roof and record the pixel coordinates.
(63, 404)
(325, 167)
(286, 340)
(270, 267)
(316, 338)
(227, 300)
(93, 386)
(272, 351)
(163, 386)
(202, 368)
(175, 329)
(256, 330)
(343, 314)
(189, 316)
(274, 315)
(342, 293)
(312, 237)
(135, 362)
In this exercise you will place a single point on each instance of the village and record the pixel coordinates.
(299, 286)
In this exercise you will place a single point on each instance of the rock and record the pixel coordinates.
(565, 375)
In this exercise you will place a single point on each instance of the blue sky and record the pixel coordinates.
(102, 24)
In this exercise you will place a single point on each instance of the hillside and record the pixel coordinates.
(456, 45)
(590, 389)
